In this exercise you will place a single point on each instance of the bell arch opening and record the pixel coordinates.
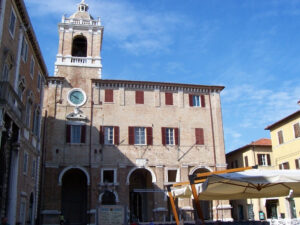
(79, 46)
(108, 198)
(74, 196)
(206, 206)
(141, 197)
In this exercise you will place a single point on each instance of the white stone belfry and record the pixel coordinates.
(80, 42)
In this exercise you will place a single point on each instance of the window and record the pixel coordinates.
(33, 169)
(169, 98)
(297, 130)
(172, 175)
(32, 67)
(109, 135)
(108, 176)
(280, 137)
(25, 163)
(28, 112)
(12, 22)
(39, 82)
(236, 164)
(24, 50)
(75, 134)
(139, 97)
(5, 72)
(170, 136)
(140, 135)
(297, 163)
(36, 122)
(109, 95)
(199, 134)
(284, 166)
(246, 161)
(197, 100)
(264, 159)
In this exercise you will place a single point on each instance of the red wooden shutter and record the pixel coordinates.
(297, 163)
(169, 98)
(280, 166)
(149, 136)
(202, 101)
(139, 97)
(191, 99)
(68, 133)
(176, 136)
(109, 95)
(163, 135)
(83, 131)
(297, 130)
(131, 135)
(269, 159)
(259, 159)
(116, 135)
(101, 135)
(199, 136)
(287, 166)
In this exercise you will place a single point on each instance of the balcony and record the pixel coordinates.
(81, 21)
(69, 60)
(10, 99)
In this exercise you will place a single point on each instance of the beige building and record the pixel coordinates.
(256, 153)
(122, 142)
(285, 136)
(22, 74)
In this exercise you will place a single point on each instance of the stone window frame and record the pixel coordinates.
(166, 177)
(25, 163)
(102, 183)
(11, 29)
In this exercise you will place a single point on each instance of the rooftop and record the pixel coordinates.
(259, 142)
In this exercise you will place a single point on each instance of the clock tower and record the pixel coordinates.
(80, 41)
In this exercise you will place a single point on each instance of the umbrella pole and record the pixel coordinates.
(173, 205)
(196, 200)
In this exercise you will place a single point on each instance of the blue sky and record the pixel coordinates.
(252, 47)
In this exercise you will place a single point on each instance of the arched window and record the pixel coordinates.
(79, 46)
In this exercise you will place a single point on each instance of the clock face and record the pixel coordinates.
(77, 97)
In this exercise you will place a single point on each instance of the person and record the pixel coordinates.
(61, 219)
(4, 221)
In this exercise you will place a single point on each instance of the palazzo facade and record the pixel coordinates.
(122, 142)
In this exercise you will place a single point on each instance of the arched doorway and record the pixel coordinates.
(79, 46)
(141, 195)
(108, 198)
(74, 197)
(206, 206)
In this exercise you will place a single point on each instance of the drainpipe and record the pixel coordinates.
(90, 155)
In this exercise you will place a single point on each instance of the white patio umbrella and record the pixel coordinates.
(251, 184)
(242, 185)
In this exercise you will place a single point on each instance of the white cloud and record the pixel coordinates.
(136, 30)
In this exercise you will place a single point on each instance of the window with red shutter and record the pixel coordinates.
(83, 134)
(109, 95)
(101, 135)
(176, 136)
(199, 136)
(131, 135)
(149, 136)
(169, 98)
(139, 97)
(68, 133)
(269, 159)
(116, 135)
(259, 159)
(280, 137)
(191, 100)
(163, 135)
(202, 101)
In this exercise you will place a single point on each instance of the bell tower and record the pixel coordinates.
(80, 41)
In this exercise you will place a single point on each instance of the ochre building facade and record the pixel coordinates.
(122, 142)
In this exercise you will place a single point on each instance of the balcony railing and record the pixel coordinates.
(80, 60)
(82, 22)
(9, 97)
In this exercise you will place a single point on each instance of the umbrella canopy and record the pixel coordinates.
(251, 184)
(248, 184)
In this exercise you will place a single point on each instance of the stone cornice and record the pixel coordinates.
(31, 35)
(149, 85)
